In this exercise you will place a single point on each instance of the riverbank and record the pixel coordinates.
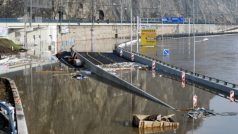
(5, 93)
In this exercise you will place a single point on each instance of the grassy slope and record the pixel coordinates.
(8, 44)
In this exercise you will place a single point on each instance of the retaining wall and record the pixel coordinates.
(20, 117)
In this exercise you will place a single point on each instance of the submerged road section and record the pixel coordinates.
(93, 60)
(220, 87)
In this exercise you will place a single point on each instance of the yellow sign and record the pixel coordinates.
(148, 37)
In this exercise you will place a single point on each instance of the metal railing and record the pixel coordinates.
(197, 75)
(48, 20)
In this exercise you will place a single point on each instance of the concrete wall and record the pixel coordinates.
(39, 39)
(104, 35)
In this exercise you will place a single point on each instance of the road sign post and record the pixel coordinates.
(148, 37)
(166, 52)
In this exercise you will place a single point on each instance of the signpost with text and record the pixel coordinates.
(148, 37)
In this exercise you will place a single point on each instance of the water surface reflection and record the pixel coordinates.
(54, 103)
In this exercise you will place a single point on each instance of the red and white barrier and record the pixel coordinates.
(132, 57)
(183, 79)
(153, 65)
(232, 96)
(121, 52)
(195, 101)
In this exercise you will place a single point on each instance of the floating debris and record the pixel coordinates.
(123, 66)
(154, 121)
(228, 114)
(200, 113)
(79, 77)
(85, 72)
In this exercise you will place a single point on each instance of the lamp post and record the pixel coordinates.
(121, 12)
(92, 26)
(31, 13)
(131, 24)
(194, 45)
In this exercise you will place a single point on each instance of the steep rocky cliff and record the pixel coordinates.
(218, 11)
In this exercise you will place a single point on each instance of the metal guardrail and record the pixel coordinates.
(48, 20)
(8, 111)
(194, 77)
(44, 20)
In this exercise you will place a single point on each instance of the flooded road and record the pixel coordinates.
(54, 103)
(217, 57)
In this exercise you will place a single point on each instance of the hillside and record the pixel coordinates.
(7, 47)
(210, 11)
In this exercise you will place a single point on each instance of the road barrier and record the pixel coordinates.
(217, 85)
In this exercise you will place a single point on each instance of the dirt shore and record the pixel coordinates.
(2, 91)
(5, 92)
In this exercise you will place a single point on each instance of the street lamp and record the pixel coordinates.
(131, 24)
(194, 45)
(92, 26)
(31, 13)
(121, 12)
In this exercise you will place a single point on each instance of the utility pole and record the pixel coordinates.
(92, 26)
(194, 49)
(162, 34)
(131, 24)
(25, 21)
(194, 45)
(31, 13)
(121, 12)
(137, 33)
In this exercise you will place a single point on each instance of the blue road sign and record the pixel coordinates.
(178, 20)
(166, 52)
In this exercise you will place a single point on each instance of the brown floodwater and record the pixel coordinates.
(54, 103)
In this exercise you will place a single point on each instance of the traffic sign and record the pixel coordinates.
(166, 52)
(148, 37)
